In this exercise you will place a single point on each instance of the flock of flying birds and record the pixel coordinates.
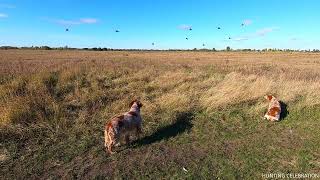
(67, 30)
(190, 29)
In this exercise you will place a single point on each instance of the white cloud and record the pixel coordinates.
(265, 31)
(294, 39)
(247, 22)
(88, 20)
(241, 39)
(7, 6)
(184, 27)
(2, 15)
(65, 22)
(258, 33)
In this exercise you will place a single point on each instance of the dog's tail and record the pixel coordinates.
(107, 130)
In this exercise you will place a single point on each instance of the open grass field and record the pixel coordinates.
(202, 112)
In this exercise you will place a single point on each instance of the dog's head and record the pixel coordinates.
(137, 102)
(269, 97)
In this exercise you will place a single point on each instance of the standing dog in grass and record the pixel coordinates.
(123, 125)
(274, 110)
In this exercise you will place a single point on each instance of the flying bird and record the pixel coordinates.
(117, 31)
(187, 38)
(152, 44)
(203, 44)
(229, 37)
(218, 27)
(67, 29)
(242, 24)
(190, 29)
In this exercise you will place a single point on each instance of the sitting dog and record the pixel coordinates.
(274, 110)
(123, 125)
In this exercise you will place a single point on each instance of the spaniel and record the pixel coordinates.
(274, 110)
(123, 125)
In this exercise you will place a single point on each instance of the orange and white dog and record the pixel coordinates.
(123, 125)
(274, 110)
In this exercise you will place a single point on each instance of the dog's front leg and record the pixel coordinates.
(127, 138)
(138, 131)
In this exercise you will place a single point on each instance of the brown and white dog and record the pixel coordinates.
(274, 110)
(123, 125)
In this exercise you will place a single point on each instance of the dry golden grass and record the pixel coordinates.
(56, 102)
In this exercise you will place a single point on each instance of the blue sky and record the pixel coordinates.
(267, 23)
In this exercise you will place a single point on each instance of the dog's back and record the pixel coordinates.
(131, 121)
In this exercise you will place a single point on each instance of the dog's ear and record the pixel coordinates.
(132, 102)
(268, 97)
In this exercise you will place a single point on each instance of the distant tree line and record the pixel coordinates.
(229, 49)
